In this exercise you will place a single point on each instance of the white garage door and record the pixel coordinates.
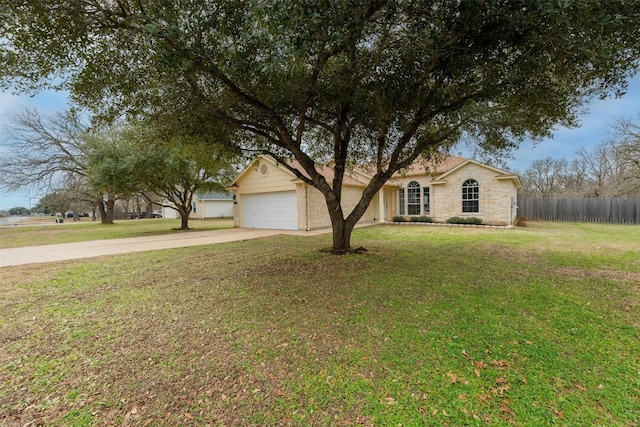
(270, 210)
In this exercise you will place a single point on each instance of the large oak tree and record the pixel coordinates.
(384, 82)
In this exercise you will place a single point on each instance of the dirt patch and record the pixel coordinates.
(618, 275)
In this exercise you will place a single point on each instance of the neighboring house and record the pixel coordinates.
(212, 205)
(267, 195)
(207, 205)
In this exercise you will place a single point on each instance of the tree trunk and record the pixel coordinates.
(184, 211)
(184, 222)
(106, 209)
(101, 209)
(343, 227)
(110, 204)
(341, 236)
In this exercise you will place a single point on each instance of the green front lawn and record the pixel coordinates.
(432, 326)
(87, 230)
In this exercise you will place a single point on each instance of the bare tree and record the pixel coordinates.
(46, 150)
(611, 169)
(627, 136)
(545, 178)
(51, 153)
(601, 169)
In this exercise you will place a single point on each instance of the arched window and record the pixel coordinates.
(413, 198)
(470, 196)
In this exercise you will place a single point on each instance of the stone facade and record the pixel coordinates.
(497, 193)
(312, 208)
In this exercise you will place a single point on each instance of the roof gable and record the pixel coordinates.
(326, 171)
(253, 165)
(500, 173)
(422, 167)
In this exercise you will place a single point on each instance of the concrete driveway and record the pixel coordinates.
(67, 251)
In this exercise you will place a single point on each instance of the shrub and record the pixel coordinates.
(399, 219)
(459, 220)
(473, 220)
(422, 219)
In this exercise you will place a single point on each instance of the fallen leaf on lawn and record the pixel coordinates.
(504, 407)
(477, 372)
(560, 414)
(132, 413)
(453, 378)
(390, 401)
(188, 416)
(524, 380)
(499, 363)
(480, 364)
(485, 397)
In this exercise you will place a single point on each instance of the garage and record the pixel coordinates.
(270, 210)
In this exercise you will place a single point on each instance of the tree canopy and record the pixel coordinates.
(383, 82)
(173, 168)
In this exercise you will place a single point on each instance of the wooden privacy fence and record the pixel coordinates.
(593, 209)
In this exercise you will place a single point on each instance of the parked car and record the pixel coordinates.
(154, 214)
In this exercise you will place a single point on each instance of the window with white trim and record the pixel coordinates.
(413, 198)
(470, 196)
(425, 200)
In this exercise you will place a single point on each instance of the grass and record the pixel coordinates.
(432, 326)
(87, 230)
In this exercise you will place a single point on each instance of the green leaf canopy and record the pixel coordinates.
(351, 81)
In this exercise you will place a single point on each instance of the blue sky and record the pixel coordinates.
(595, 127)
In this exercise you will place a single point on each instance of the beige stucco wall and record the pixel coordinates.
(446, 198)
